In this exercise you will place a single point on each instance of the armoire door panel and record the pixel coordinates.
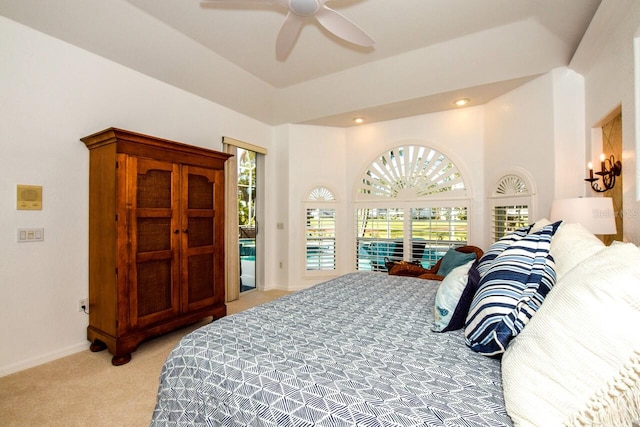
(200, 232)
(201, 280)
(154, 200)
(153, 282)
(155, 188)
(198, 268)
(154, 234)
(200, 184)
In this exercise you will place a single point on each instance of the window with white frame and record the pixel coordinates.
(412, 204)
(511, 204)
(320, 230)
(380, 237)
(435, 230)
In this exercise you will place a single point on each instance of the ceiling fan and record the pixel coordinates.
(330, 19)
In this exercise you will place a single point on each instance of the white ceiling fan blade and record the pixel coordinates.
(343, 27)
(284, 3)
(288, 35)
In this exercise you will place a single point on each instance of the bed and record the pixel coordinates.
(356, 350)
(543, 331)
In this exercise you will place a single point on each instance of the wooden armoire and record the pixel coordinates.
(156, 238)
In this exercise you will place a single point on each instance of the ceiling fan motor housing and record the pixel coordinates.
(304, 7)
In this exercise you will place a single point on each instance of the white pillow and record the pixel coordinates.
(572, 244)
(448, 295)
(578, 358)
(537, 226)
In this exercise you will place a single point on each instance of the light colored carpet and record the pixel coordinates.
(84, 389)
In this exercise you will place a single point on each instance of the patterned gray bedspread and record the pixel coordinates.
(356, 350)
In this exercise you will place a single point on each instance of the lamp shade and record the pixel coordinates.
(593, 213)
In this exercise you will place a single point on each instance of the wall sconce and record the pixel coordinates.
(609, 169)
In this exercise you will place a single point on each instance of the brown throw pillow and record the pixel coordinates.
(404, 268)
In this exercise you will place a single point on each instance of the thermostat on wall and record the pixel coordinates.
(29, 197)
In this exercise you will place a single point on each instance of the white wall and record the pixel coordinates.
(277, 207)
(316, 158)
(611, 81)
(538, 128)
(51, 95)
(569, 134)
(519, 135)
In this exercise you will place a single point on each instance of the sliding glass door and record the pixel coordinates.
(247, 224)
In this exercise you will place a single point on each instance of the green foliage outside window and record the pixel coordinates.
(246, 188)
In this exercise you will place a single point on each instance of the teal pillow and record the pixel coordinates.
(453, 259)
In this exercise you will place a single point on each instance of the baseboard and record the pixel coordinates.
(297, 288)
(274, 288)
(42, 359)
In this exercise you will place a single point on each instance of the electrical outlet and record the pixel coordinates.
(83, 303)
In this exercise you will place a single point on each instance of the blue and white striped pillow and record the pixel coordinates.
(500, 245)
(510, 292)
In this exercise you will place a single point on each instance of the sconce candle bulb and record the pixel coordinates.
(609, 169)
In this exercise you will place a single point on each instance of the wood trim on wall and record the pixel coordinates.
(243, 145)
(612, 144)
(232, 250)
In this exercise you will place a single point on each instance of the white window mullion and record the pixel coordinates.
(406, 235)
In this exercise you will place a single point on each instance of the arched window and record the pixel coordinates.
(512, 203)
(412, 204)
(411, 172)
(320, 230)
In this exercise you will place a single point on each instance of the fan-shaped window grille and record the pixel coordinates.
(320, 231)
(512, 203)
(321, 194)
(511, 185)
(411, 172)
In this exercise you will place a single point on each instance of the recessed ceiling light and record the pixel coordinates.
(461, 102)
(358, 120)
